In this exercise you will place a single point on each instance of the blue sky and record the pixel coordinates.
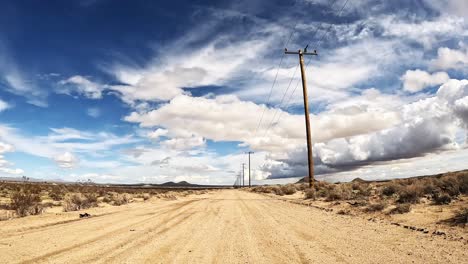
(142, 91)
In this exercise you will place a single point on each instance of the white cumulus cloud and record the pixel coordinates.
(66, 160)
(451, 58)
(83, 86)
(417, 80)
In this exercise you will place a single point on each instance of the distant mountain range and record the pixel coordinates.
(20, 179)
(181, 183)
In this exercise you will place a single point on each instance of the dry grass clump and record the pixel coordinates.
(340, 192)
(409, 194)
(390, 189)
(79, 201)
(309, 193)
(26, 201)
(460, 217)
(288, 189)
(361, 190)
(147, 196)
(277, 190)
(262, 189)
(376, 207)
(121, 199)
(301, 186)
(440, 199)
(168, 196)
(401, 209)
(57, 193)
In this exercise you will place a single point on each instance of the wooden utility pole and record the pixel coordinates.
(243, 174)
(249, 152)
(310, 160)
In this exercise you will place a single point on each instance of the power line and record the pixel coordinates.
(292, 78)
(308, 62)
(276, 77)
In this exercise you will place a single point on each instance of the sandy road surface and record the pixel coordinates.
(226, 226)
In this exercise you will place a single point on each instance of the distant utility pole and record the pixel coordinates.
(243, 174)
(249, 152)
(310, 160)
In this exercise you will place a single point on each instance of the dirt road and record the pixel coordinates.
(226, 226)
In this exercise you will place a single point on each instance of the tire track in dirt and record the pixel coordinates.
(173, 218)
(265, 224)
(42, 228)
(76, 246)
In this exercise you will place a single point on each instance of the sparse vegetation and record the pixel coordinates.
(26, 201)
(18, 199)
(78, 201)
(339, 192)
(460, 217)
(401, 209)
(288, 189)
(390, 189)
(309, 193)
(376, 207)
(441, 198)
(120, 199)
(409, 194)
(57, 194)
(397, 196)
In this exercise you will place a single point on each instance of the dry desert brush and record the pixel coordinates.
(26, 201)
(79, 201)
(401, 209)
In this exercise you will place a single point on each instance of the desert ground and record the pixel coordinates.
(220, 226)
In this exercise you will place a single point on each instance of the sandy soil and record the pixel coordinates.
(227, 226)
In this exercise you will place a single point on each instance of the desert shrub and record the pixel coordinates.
(26, 202)
(277, 190)
(460, 217)
(401, 209)
(450, 186)
(309, 193)
(340, 192)
(92, 198)
(56, 194)
(377, 207)
(390, 189)
(146, 197)
(288, 189)
(78, 201)
(102, 192)
(301, 186)
(361, 190)
(262, 189)
(409, 194)
(107, 199)
(429, 188)
(121, 199)
(322, 192)
(320, 185)
(463, 183)
(441, 198)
